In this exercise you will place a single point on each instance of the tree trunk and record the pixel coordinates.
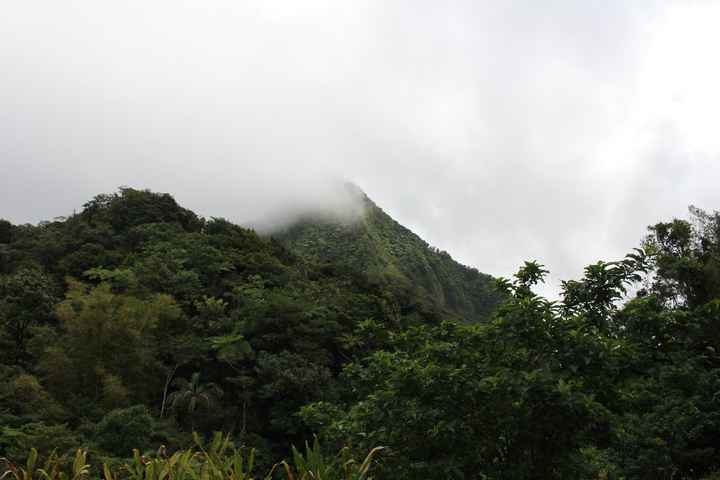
(167, 386)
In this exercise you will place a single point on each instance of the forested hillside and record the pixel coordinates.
(386, 252)
(135, 323)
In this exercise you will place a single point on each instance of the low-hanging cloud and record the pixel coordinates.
(500, 131)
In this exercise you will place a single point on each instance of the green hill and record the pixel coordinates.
(137, 324)
(134, 304)
(388, 253)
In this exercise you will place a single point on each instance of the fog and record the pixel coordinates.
(498, 131)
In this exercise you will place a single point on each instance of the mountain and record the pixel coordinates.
(136, 323)
(377, 246)
(112, 316)
(111, 313)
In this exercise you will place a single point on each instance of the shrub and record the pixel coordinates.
(123, 429)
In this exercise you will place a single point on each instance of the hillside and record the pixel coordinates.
(386, 252)
(115, 311)
(136, 324)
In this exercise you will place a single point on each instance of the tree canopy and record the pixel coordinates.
(135, 323)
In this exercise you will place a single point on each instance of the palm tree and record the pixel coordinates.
(192, 395)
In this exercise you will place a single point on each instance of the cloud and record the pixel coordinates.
(499, 131)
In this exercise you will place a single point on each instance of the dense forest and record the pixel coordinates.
(138, 326)
(379, 248)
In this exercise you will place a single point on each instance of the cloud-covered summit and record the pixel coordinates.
(499, 131)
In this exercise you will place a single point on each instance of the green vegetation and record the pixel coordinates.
(137, 325)
(134, 323)
(391, 255)
(219, 459)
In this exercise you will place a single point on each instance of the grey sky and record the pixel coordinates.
(498, 131)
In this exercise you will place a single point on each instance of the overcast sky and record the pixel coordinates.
(498, 131)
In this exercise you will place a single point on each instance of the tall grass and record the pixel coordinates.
(217, 460)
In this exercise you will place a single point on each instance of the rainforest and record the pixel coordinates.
(140, 340)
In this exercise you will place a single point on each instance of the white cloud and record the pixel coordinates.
(500, 131)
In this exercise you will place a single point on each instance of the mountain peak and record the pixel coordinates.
(341, 202)
(374, 244)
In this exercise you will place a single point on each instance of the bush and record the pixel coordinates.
(15, 443)
(123, 429)
(218, 459)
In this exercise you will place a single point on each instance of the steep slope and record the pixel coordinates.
(387, 252)
(112, 313)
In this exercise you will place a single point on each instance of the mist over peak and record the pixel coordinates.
(211, 272)
(338, 201)
(495, 136)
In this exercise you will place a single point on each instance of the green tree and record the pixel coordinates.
(193, 395)
(6, 231)
(26, 299)
(121, 430)
(518, 397)
(687, 258)
(108, 345)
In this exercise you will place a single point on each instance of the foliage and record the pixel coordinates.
(314, 464)
(135, 324)
(193, 394)
(387, 253)
(687, 255)
(138, 301)
(122, 429)
(51, 469)
(26, 299)
(17, 442)
(218, 459)
(588, 387)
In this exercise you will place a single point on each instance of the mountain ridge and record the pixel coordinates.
(378, 246)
